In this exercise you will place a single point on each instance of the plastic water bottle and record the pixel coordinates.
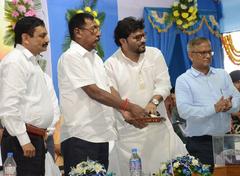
(9, 166)
(135, 164)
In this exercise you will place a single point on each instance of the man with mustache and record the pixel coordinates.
(26, 109)
(205, 98)
(141, 74)
(88, 121)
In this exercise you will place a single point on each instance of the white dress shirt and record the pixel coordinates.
(56, 110)
(139, 82)
(24, 96)
(83, 117)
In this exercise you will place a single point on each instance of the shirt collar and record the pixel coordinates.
(197, 73)
(25, 51)
(80, 50)
(129, 60)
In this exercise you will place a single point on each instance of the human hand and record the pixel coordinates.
(220, 105)
(151, 108)
(29, 150)
(223, 105)
(129, 118)
(228, 104)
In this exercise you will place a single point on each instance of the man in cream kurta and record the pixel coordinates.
(141, 74)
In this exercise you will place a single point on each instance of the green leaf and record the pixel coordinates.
(94, 3)
(66, 43)
(8, 38)
(100, 51)
(101, 17)
(70, 14)
(86, 3)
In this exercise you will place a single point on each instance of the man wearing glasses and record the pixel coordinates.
(141, 74)
(85, 97)
(205, 97)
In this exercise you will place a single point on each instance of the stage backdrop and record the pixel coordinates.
(3, 48)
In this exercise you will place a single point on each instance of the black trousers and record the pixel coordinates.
(75, 150)
(201, 147)
(50, 146)
(25, 166)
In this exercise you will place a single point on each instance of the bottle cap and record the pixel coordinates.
(134, 150)
(10, 154)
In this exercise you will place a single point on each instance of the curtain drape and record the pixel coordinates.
(162, 33)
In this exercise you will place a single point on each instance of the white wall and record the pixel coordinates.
(135, 7)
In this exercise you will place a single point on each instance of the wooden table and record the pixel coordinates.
(228, 170)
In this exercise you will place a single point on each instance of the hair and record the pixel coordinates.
(196, 41)
(235, 75)
(26, 25)
(125, 27)
(78, 21)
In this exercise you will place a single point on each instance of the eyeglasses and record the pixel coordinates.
(204, 53)
(92, 30)
(139, 37)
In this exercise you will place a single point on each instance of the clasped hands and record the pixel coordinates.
(138, 112)
(223, 105)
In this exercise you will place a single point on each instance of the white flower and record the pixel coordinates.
(194, 162)
(175, 3)
(192, 157)
(87, 167)
(163, 167)
(183, 6)
(176, 165)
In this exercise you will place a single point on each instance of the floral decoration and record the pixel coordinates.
(14, 11)
(184, 166)
(88, 168)
(87, 7)
(185, 13)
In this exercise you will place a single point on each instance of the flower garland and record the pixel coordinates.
(185, 13)
(88, 168)
(14, 11)
(232, 52)
(88, 7)
(184, 166)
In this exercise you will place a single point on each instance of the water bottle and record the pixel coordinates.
(135, 164)
(9, 166)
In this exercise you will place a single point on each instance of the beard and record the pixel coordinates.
(141, 49)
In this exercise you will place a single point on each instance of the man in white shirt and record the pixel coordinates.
(25, 105)
(56, 115)
(88, 122)
(141, 74)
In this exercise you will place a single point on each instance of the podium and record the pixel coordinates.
(226, 152)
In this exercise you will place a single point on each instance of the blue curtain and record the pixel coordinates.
(163, 35)
(163, 40)
(217, 60)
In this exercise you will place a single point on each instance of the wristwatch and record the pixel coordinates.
(155, 101)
